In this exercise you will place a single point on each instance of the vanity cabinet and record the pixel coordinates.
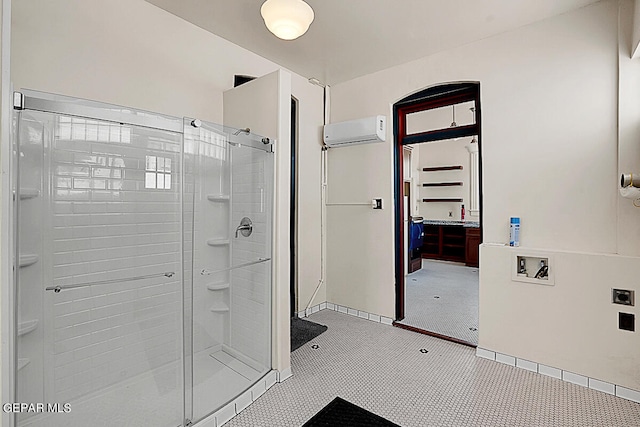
(451, 243)
(472, 247)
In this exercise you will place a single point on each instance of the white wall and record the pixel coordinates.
(628, 237)
(549, 96)
(310, 120)
(135, 54)
(445, 153)
(571, 326)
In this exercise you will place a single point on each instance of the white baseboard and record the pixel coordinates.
(284, 375)
(346, 310)
(571, 377)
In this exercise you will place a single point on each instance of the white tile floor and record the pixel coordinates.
(155, 399)
(442, 297)
(381, 369)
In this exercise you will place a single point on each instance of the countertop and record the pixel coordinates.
(465, 224)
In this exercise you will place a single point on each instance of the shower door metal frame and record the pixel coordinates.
(54, 104)
(6, 267)
(233, 140)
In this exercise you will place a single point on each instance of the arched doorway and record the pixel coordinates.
(419, 119)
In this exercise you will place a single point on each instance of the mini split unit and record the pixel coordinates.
(361, 131)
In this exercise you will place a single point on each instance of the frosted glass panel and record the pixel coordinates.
(229, 179)
(109, 341)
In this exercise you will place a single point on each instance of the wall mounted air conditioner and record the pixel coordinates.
(361, 131)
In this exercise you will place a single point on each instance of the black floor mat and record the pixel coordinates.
(303, 331)
(341, 413)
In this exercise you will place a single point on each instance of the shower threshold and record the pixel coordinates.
(154, 399)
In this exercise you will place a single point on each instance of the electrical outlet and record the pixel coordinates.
(622, 296)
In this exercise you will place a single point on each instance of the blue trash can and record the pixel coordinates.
(416, 233)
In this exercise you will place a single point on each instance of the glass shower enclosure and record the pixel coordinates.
(143, 264)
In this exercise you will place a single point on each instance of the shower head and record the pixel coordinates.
(245, 130)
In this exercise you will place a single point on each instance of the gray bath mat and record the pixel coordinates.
(303, 331)
(341, 413)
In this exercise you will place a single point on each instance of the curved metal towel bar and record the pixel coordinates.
(59, 288)
(205, 272)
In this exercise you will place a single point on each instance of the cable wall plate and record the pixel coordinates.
(531, 260)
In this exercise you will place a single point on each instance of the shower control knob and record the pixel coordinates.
(196, 123)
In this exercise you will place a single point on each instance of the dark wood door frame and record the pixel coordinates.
(293, 220)
(427, 99)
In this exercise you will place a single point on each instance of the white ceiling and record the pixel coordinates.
(351, 38)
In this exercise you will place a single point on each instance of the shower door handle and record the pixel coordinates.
(245, 227)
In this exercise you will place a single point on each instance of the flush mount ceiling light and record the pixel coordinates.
(287, 19)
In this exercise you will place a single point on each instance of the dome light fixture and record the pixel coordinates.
(287, 19)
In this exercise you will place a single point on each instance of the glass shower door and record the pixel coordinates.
(227, 211)
(99, 286)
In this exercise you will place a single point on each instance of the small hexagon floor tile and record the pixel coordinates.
(442, 297)
(382, 369)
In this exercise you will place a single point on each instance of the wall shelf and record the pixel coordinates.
(218, 286)
(442, 184)
(218, 197)
(442, 168)
(218, 242)
(28, 259)
(219, 308)
(442, 200)
(26, 327)
(29, 193)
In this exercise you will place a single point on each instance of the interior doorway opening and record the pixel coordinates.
(438, 206)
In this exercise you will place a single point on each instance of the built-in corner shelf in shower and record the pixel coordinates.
(218, 242)
(22, 363)
(218, 197)
(26, 327)
(219, 307)
(28, 259)
(218, 286)
(28, 193)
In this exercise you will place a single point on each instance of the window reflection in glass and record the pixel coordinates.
(158, 173)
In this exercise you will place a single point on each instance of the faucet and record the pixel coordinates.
(243, 227)
(246, 227)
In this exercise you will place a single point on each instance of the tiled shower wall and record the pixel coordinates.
(250, 286)
(207, 166)
(115, 215)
